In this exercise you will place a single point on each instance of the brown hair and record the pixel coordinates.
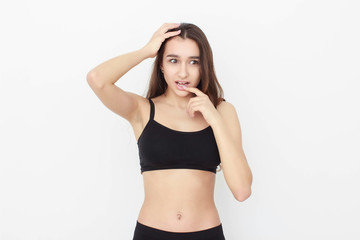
(208, 82)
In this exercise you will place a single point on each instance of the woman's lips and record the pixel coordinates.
(180, 86)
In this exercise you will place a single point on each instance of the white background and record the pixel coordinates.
(69, 167)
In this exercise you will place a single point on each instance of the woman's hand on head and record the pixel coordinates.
(153, 46)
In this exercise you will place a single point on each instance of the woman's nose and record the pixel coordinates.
(183, 71)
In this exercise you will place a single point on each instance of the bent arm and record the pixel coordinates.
(103, 77)
(112, 70)
(236, 170)
(102, 81)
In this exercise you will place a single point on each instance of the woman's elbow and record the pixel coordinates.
(242, 195)
(92, 79)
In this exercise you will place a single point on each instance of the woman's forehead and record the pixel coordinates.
(181, 47)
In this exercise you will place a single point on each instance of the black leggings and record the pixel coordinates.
(143, 232)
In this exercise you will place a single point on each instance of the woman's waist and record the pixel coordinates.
(179, 200)
(176, 202)
(176, 195)
(178, 185)
(179, 216)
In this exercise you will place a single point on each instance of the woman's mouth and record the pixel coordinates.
(180, 84)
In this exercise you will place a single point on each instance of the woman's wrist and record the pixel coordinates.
(144, 53)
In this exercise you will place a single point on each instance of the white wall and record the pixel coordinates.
(69, 167)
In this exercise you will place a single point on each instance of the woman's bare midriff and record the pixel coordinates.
(179, 200)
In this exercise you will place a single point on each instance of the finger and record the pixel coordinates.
(167, 26)
(194, 108)
(171, 34)
(168, 35)
(191, 112)
(189, 108)
(194, 100)
(194, 90)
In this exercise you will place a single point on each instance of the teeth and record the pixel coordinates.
(182, 83)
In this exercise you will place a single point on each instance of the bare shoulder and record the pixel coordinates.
(226, 109)
(229, 115)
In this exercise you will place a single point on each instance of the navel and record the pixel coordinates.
(179, 216)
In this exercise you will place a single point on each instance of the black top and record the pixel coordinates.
(163, 148)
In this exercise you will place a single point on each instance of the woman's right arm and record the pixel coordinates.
(102, 78)
(102, 81)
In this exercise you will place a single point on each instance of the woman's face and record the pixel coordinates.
(181, 64)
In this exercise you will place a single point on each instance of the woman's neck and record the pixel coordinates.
(175, 100)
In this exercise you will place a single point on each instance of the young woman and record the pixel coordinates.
(184, 130)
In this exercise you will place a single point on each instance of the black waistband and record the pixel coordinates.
(141, 230)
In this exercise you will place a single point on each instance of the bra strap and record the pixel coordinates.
(152, 109)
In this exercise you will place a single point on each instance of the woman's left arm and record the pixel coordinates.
(226, 127)
(227, 131)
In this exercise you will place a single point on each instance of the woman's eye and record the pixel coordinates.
(173, 60)
(194, 62)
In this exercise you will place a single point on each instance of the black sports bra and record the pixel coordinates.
(163, 148)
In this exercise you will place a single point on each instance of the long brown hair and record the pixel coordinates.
(208, 82)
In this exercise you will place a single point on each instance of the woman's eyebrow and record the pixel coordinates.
(177, 56)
